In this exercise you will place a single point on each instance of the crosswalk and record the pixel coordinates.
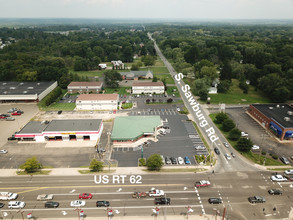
(154, 112)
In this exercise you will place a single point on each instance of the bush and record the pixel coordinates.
(234, 134)
(154, 162)
(275, 157)
(142, 162)
(31, 165)
(228, 125)
(244, 144)
(263, 153)
(96, 165)
(220, 117)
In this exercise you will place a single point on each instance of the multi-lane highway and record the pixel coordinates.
(234, 189)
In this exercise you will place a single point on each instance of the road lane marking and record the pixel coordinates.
(30, 190)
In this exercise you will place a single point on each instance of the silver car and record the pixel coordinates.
(3, 151)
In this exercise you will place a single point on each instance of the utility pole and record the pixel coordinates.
(224, 213)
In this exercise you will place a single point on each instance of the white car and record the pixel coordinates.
(226, 144)
(278, 178)
(3, 151)
(255, 147)
(288, 172)
(244, 134)
(180, 160)
(178, 109)
(228, 157)
(156, 192)
(16, 205)
(77, 203)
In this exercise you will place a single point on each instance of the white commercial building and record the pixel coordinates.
(148, 87)
(97, 102)
(84, 87)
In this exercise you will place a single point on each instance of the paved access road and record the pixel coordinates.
(234, 188)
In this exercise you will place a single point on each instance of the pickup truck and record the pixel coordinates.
(256, 199)
(45, 197)
(156, 192)
(202, 183)
(8, 196)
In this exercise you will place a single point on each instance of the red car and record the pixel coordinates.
(15, 113)
(85, 196)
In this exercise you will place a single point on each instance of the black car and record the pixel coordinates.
(51, 204)
(1, 205)
(275, 192)
(103, 203)
(217, 151)
(12, 138)
(168, 160)
(162, 201)
(215, 200)
(19, 111)
(173, 160)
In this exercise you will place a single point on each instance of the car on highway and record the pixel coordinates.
(226, 144)
(180, 160)
(186, 160)
(217, 151)
(162, 201)
(156, 192)
(16, 205)
(278, 178)
(77, 203)
(288, 172)
(85, 196)
(173, 160)
(3, 151)
(228, 157)
(202, 183)
(256, 199)
(102, 203)
(284, 160)
(139, 194)
(275, 192)
(51, 204)
(15, 113)
(44, 197)
(215, 200)
(1, 205)
(168, 160)
(232, 154)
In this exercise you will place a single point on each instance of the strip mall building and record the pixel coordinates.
(62, 130)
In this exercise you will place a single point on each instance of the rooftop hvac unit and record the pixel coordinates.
(278, 106)
(287, 119)
(30, 87)
(289, 113)
(271, 108)
(4, 84)
(24, 92)
(21, 84)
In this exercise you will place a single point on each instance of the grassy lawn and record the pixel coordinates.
(41, 172)
(120, 90)
(127, 105)
(254, 157)
(155, 69)
(236, 96)
(170, 91)
(59, 106)
(169, 79)
(92, 73)
(159, 62)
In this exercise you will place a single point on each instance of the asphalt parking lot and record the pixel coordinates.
(179, 142)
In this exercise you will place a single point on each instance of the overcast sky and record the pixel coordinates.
(186, 9)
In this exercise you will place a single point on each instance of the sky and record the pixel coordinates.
(154, 9)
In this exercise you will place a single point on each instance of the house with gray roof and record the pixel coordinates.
(136, 75)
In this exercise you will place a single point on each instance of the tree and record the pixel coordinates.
(155, 79)
(281, 94)
(154, 162)
(220, 117)
(228, 125)
(134, 67)
(112, 78)
(31, 165)
(234, 134)
(148, 60)
(169, 100)
(96, 165)
(244, 144)
(224, 86)
(244, 86)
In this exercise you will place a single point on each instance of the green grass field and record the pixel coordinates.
(167, 76)
(59, 106)
(120, 90)
(155, 69)
(97, 73)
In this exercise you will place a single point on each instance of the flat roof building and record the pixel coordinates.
(25, 91)
(84, 87)
(97, 102)
(128, 129)
(62, 130)
(148, 87)
(278, 118)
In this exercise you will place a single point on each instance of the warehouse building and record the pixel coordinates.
(278, 118)
(97, 102)
(129, 129)
(62, 130)
(25, 91)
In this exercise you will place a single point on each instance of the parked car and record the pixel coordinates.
(284, 160)
(16, 205)
(215, 200)
(102, 203)
(288, 172)
(178, 109)
(244, 134)
(275, 192)
(256, 199)
(15, 113)
(168, 160)
(162, 201)
(12, 110)
(12, 138)
(19, 111)
(163, 159)
(278, 178)
(9, 119)
(173, 160)
(217, 151)
(255, 147)
(199, 147)
(77, 203)
(85, 196)
(3, 151)
(1, 205)
(51, 204)
(180, 160)
(186, 160)
(5, 115)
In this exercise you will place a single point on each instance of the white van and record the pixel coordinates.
(16, 205)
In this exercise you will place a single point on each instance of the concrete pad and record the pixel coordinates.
(66, 144)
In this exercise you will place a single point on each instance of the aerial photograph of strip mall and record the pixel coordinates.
(152, 110)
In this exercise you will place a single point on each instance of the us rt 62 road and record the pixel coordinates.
(233, 188)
